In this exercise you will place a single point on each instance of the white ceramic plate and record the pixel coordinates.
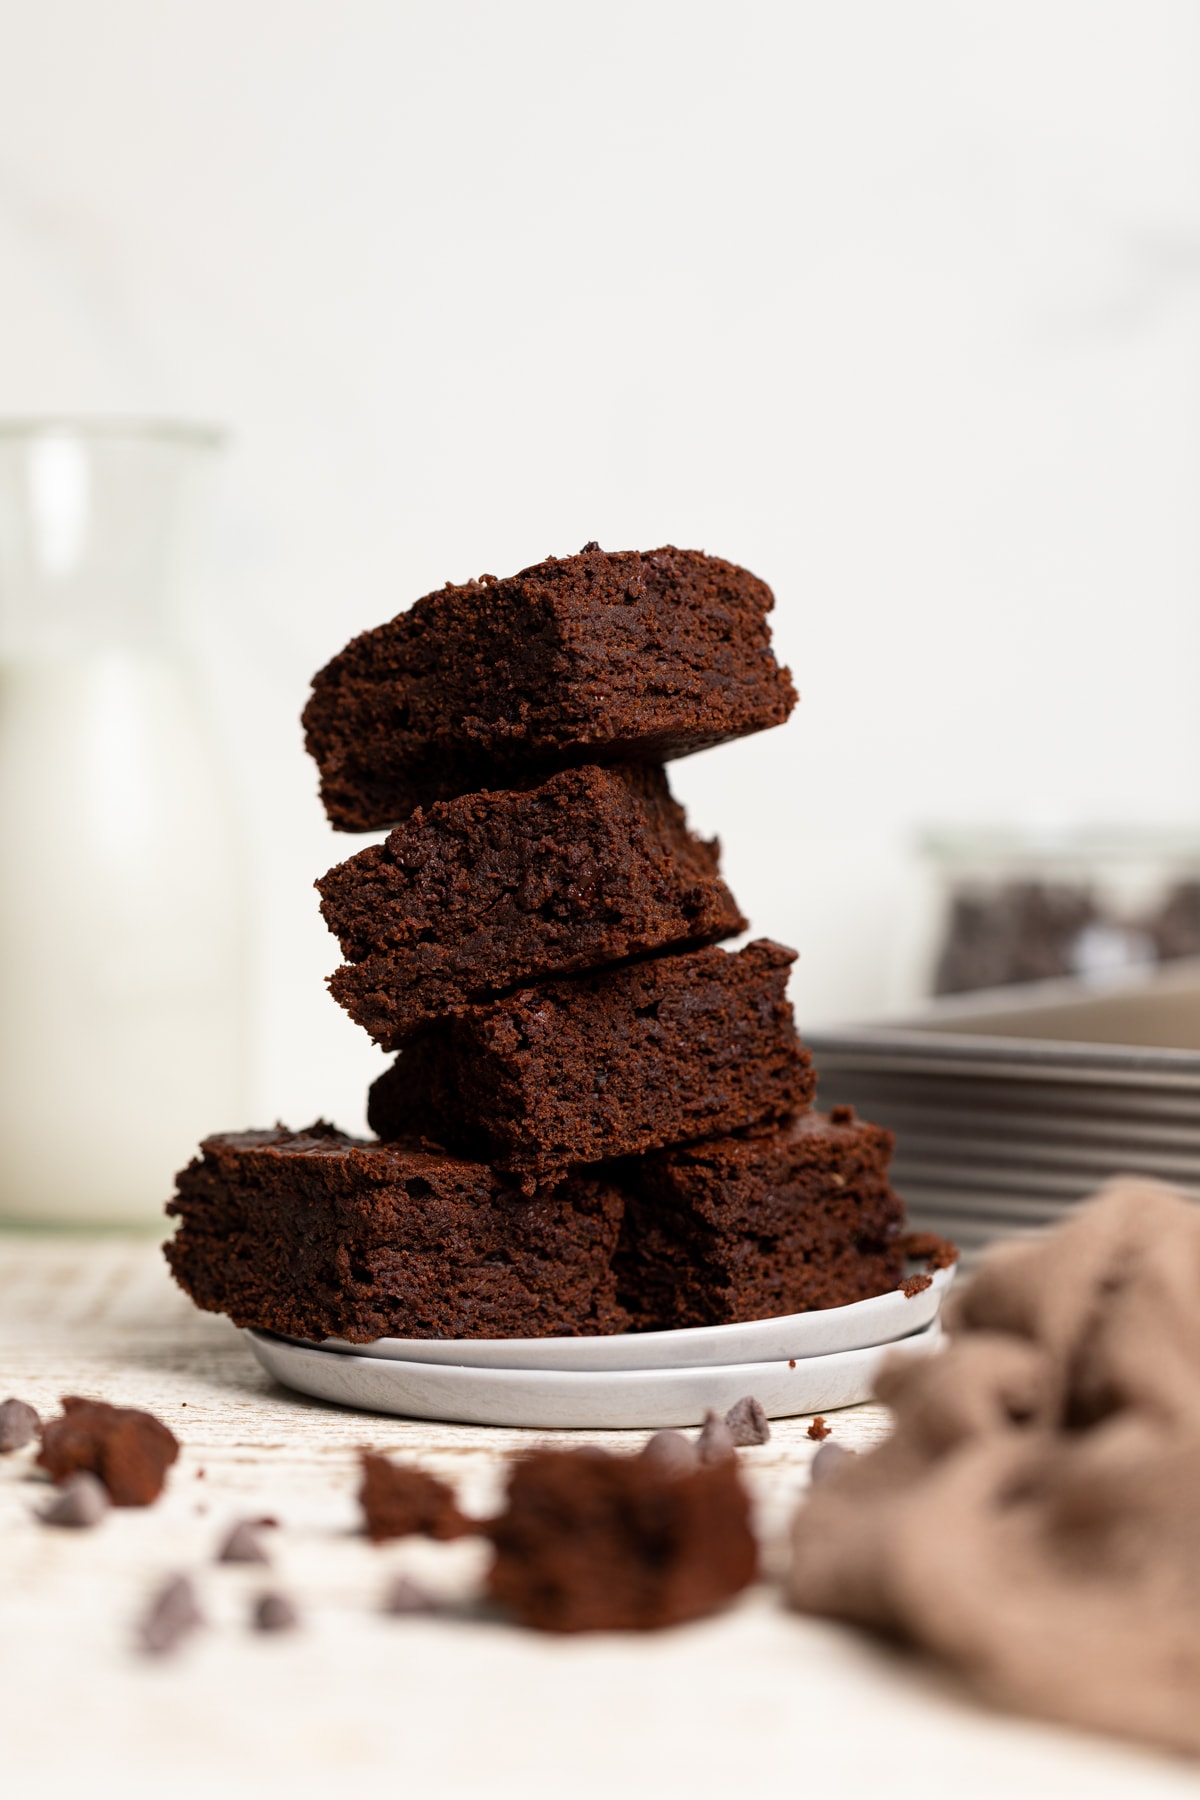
(856, 1327)
(579, 1399)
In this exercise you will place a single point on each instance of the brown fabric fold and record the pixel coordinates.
(1034, 1520)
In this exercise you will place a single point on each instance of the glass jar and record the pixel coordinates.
(123, 1028)
(1091, 905)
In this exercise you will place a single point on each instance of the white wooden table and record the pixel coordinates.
(755, 1702)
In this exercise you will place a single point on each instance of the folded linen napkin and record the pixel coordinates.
(1034, 1520)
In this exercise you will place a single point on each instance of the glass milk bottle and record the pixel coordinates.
(122, 922)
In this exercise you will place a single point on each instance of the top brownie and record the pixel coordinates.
(600, 657)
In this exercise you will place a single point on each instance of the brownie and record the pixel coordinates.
(623, 657)
(478, 894)
(793, 1219)
(602, 1065)
(399, 1500)
(128, 1450)
(593, 1542)
(315, 1235)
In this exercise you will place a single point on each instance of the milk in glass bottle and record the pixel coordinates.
(122, 981)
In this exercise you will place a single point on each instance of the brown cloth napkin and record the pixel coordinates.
(1034, 1520)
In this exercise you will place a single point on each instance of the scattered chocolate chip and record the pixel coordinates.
(403, 1595)
(748, 1422)
(715, 1443)
(915, 1284)
(274, 1612)
(818, 1430)
(129, 1450)
(172, 1615)
(827, 1459)
(241, 1545)
(671, 1452)
(791, 1362)
(19, 1425)
(81, 1501)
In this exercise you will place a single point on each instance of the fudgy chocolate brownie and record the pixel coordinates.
(315, 1235)
(593, 1542)
(789, 1220)
(602, 1065)
(480, 893)
(623, 657)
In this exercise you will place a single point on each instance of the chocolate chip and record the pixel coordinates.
(715, 1443)
(82, 1500)
(403, 1595)
(19, 1425)
(827, 1459)
(274, 1612)
(747, 1421)
(173, 1614)
(241, 1545)
(671, 1452)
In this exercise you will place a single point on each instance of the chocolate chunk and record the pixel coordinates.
(19, 1425)
(671, 1452)
(81, 1501)
(403, 1595)
(130, 1451)
(172, 1615)
(274, 1612)
(818, 1429)
(716, 1441)
(241, 1545)
(748, 1422)
(400, 1501)
(827, 1459)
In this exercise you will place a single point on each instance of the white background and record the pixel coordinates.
(894, 303)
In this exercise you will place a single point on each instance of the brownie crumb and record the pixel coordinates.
(818, 1430)
(130, 1451)
(590, 1541)
(241, 1544)
(716, 1442)
(915, 1284)
(828, 1457)
(173, 1615)
(274, 1612)
(791, 1362)
(404, 1595)
(927, 1247)
(19, 1425)
(841, 1115)
(748, 1422)
(82, 1501)
(671, 1452)
(400, 1501)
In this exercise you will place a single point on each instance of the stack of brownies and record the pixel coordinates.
(597, 1120)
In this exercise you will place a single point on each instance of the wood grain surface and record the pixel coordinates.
(756, 1701)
